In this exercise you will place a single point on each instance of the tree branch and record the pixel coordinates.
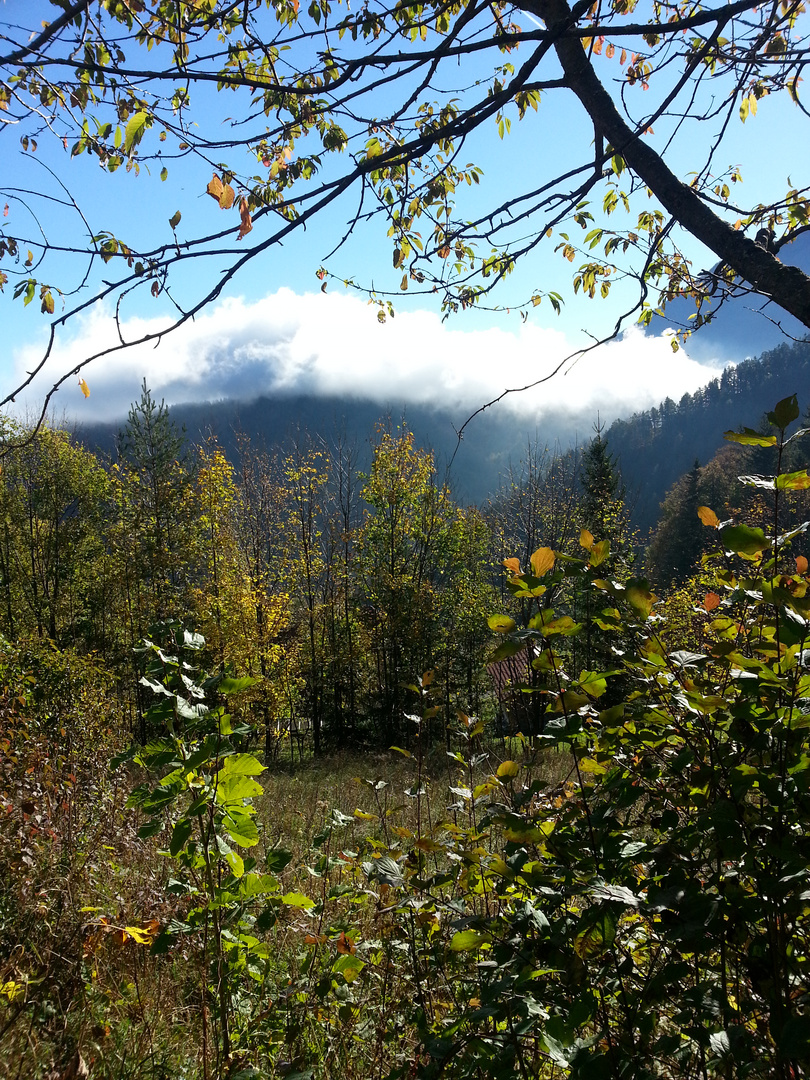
(787, 285)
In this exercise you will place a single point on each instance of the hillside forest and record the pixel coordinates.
(312, 771)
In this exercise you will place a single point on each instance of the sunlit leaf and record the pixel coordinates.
(743, 540)
(508, 769)
(708, 517)
(466, 940)
(748, 437)
(134, 130)
(542, 561)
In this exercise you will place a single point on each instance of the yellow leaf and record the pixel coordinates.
(708, 517)
(143, 935)
(85, 389)
(542, 561)
(226, 199)
(508, 768)
(586, 539)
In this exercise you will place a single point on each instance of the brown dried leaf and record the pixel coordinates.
(244, 213)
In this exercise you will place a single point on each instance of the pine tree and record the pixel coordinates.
(155, 483)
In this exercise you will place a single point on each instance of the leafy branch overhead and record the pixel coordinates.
(284, 113)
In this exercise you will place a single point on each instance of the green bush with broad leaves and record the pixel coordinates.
(203, 804)
(647, 913)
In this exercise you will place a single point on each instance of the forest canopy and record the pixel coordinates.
(272, 115)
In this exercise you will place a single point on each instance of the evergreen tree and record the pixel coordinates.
(603, 514)
(155, 485)
(680, 537)
(603, 506)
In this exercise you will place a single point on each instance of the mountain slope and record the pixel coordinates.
(656, 447)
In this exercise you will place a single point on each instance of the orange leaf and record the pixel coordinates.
(609, 51)
(5, 210)
(542, 561)
(344, 944)
(597, 45)
(708, 517)
(711, 601)
(801, 564)
(244, 213)
(623, 57)
(214, 188)
(227, 197)
(513, 566)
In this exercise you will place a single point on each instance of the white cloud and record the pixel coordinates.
(333, 344)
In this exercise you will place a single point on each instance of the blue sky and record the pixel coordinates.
(300, 340)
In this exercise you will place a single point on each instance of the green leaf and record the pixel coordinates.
(180, 834)
(505, 650)
(243, 764)
(743, 540)
(785, 412)
(598, 933)
(508, 769)
(277, 860)
(599, 552)
(235, 787)
(257, 885)
(135, 129)
(236, 863)
(297, 899)
(466, 940)
(151, 828)
(234, 686)
(241, 828)
(349, 966)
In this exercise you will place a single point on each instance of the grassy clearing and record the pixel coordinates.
(75, 877)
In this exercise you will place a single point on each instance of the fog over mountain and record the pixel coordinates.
(325, 364)
(333, 346)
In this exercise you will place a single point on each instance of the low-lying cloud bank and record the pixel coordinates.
(334, 345)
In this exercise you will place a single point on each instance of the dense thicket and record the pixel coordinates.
(615, 887)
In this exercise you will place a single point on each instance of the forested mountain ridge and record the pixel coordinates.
(654, 448)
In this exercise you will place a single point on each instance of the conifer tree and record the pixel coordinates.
(155, 484)
(603, 515)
